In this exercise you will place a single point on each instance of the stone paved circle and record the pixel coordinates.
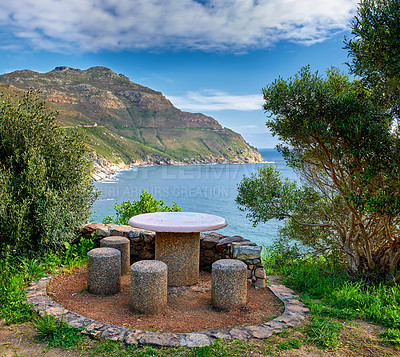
(149, 286)
(294, 315)
(123, 245)
(104, 271)
(228, 284)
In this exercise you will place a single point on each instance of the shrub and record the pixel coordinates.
(45, 186)
(56, 332)
(146, 204)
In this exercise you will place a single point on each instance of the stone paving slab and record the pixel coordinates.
(132, 337)
(160, 339)
(294, 315)
(196, 339)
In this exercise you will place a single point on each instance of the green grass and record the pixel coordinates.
(324, 332)
(391, 336)
(14, 277)
(16, 273)
(218, 349)
(332, 297)
(289, 345)
(56, 333)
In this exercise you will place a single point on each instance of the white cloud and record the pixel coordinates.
(211, 25)
(211, 100)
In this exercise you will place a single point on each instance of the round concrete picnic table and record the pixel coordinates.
(177, 242)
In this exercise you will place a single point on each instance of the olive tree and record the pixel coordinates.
(46, 190)
(374, 48)
(340, 141)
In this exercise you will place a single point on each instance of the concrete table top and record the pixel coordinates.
(178, 222)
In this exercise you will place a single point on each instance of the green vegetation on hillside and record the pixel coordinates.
(125, 122)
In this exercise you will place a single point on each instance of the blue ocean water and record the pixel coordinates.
(195, 188)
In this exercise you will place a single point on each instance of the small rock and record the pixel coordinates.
(208, 254)
(209, 242)
(260, 284)
(114, 333)
(221, 334)
(160, 339)
(239, 334)
(56, 311)
(260, 273)
(259, 331)
(132, 232)
(90, 228)
(223, 243)
(81, 323)
(133, 337)
(103, 231)
(119, 231)
(196, 340)
(246, 252)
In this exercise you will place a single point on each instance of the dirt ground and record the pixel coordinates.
(189, 308)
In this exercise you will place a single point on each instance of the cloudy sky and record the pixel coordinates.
(209, 56)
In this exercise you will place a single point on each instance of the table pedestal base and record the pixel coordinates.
(181, 253)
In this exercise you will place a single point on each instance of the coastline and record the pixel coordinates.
(104, 170)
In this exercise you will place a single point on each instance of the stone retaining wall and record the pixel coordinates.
(213, 246)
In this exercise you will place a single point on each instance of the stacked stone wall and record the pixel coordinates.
(213, 246)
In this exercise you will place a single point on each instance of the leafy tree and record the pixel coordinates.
(46, 190)
(146, 204)
(374, 49)
(340, 142)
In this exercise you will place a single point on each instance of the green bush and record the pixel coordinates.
(46, 190)
(146, 204)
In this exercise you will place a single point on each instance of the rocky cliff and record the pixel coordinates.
(125, 123)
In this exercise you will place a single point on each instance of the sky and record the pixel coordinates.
(208, 56)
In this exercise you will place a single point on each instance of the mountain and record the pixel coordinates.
(125, 123)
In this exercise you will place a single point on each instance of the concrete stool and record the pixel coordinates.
(123, 245)
(149, 286)
(104, 271)
(228, 284)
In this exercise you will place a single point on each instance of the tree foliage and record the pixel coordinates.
(146, 204)
(339, 140)
(374, 49)
(46, 190)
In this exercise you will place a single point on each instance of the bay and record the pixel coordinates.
(195, 188)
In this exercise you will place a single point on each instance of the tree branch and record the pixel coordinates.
(320, 225)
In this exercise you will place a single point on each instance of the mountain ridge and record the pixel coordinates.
(125, 123)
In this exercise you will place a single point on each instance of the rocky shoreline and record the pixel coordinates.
(104, 170)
